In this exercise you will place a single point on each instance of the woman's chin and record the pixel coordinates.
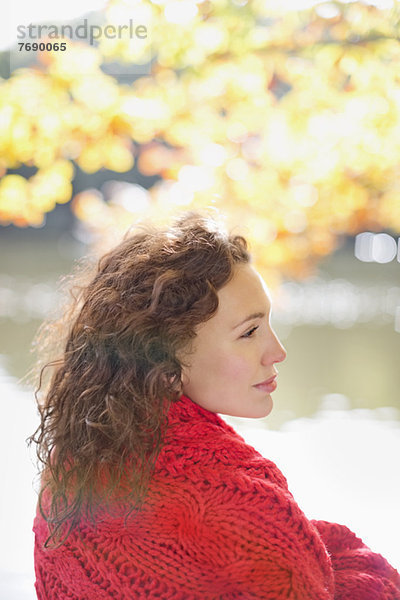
(257, 410)
(266, 407)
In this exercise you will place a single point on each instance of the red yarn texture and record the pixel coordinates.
(219, 524)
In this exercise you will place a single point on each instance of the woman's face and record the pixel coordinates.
(235, 351)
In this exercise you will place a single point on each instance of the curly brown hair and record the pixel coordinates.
(104, 410)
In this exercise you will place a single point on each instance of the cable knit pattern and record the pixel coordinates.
(219, 524)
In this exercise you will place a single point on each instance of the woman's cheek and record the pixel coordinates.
(236, 367)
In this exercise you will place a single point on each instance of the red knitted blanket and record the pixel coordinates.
(219, 524)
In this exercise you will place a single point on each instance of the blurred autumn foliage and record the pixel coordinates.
(286, 121)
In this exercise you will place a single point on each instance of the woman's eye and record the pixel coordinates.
(250, 332)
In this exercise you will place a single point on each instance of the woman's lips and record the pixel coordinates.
(267, 386)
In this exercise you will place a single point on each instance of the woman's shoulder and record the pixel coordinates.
(201, 442)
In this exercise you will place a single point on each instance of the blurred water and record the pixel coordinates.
(339, 327)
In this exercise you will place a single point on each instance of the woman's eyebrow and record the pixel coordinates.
(256, 315)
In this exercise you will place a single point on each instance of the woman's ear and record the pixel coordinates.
(175, 381)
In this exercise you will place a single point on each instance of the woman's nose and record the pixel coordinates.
(274, 351)
(281, 353)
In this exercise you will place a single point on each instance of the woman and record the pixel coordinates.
(146, 491)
